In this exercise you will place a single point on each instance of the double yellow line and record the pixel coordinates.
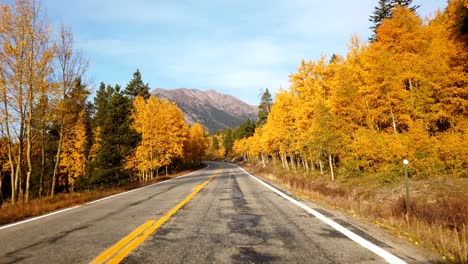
(124, 247)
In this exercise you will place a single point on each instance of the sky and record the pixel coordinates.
(236, 47)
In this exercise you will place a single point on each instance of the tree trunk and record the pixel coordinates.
(17, 185)
(1, 193)
(10, 147)
(43, 161)
(29, 137)
(331, 167)
(57, 161)
(285, 160)
(291, 160)
(28, 159)
(263, 160)
(321, 166)
(393, 121)
(305, 165)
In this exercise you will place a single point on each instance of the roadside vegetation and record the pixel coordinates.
(57, 148)
(339, 134)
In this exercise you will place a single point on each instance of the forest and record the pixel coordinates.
(402, 95)
(53, 139)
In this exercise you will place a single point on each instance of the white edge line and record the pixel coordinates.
(356, 238)
(92, 202)
(38, 217)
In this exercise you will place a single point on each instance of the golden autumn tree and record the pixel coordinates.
(72, 156)
(216, 148)
(346, 92)
(402, 96)
(196, 145)
(26, 56)
(278, 132)
(163, 135)
(71, 66)
(4, 166)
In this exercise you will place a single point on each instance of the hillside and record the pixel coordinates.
(215, 111)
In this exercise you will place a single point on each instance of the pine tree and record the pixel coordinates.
(246, 129)
(215, 144)
(228, 140)
(264, 108)
(136, 87)
(383, 10)
(405, 3)
(117, 138)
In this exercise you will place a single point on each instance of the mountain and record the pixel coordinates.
(215, 111)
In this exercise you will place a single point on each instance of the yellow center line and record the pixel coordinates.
(125, 246)
(111, 251)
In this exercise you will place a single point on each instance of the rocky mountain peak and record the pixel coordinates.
(216, 111)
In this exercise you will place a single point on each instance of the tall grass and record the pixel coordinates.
(436, 223)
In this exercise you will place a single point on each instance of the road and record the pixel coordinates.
(216, 215)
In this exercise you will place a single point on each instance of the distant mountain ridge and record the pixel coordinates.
(214, 110)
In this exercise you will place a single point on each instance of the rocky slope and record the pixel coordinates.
(215, 111)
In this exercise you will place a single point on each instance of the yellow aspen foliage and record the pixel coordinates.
(4, 165)
(241, 147)
(402, 96)
(72, 157)
(250, 148)
(216, 149)
(278, 131)
(452, 150)
(163, 135)
(254, 146)
(96, 143)
(346, 99)
(197, 144)
(221, 152)
(26, 56)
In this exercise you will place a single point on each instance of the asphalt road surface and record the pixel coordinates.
(216, 215)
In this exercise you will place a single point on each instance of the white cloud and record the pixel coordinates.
(248, 65)
(234, 46)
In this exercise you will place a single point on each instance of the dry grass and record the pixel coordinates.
(437, 220)
(11, 213)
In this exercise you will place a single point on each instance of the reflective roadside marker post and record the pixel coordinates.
(405, 164)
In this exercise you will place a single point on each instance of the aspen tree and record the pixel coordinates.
(71, 66)
(26, 63)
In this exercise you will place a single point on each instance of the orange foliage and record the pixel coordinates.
(401, 96)
(163, 132)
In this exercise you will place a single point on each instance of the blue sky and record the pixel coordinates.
(235, 47)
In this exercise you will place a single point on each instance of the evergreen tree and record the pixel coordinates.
(333, 58)
(405, 3)
(228, 140)
(264, 108)
(383, 10)
(100, 104)
(116, 137)
(136, 87)
(246, 129)
(215, 145)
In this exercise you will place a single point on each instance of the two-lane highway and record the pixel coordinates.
(216, 215)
